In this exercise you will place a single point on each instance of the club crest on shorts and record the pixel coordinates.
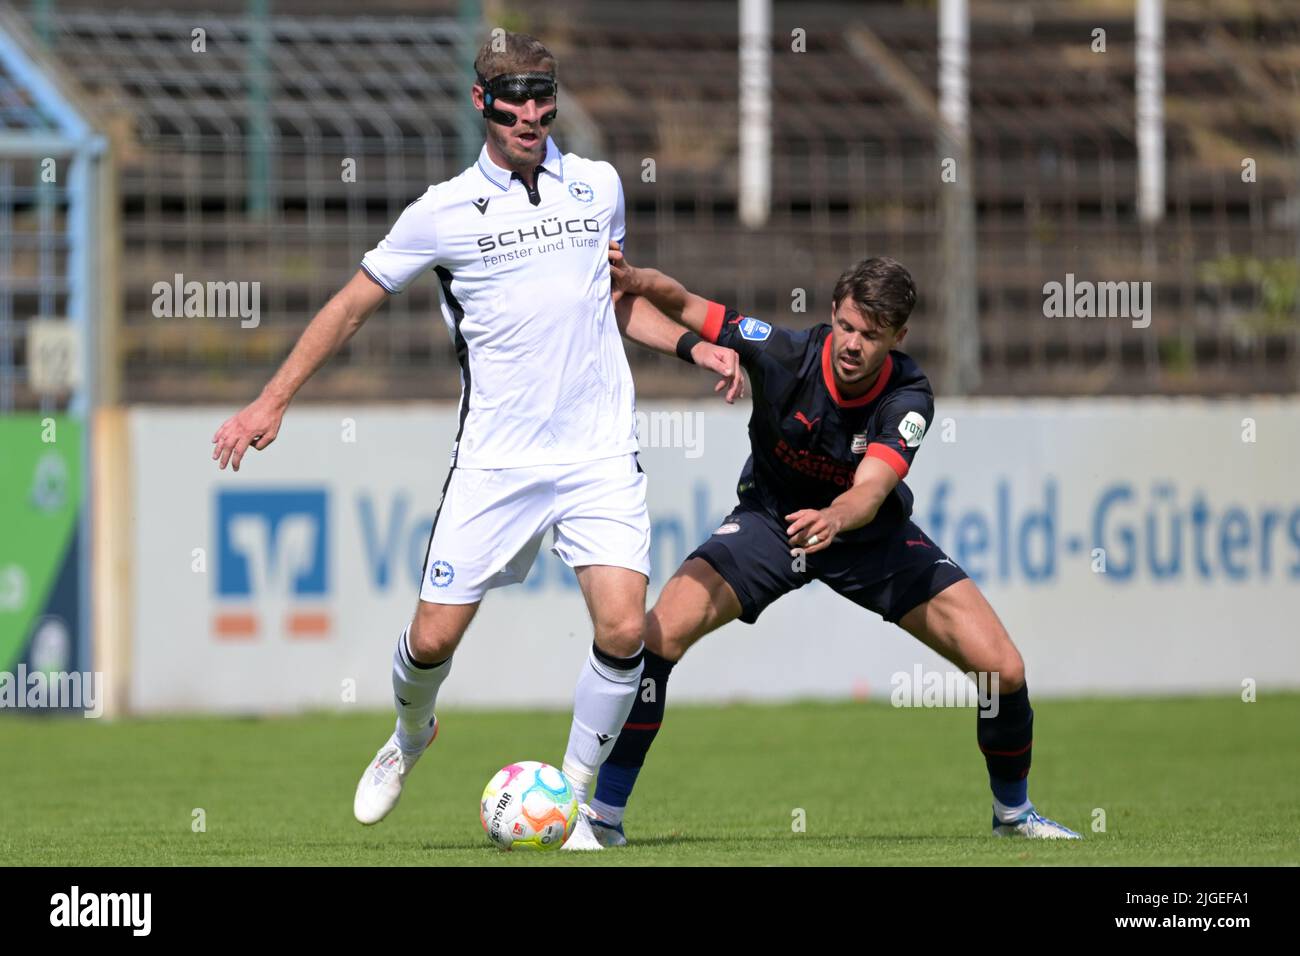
(441, 574)
(731, 527)
(859, 443)
(755, 330)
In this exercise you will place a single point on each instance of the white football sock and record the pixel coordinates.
(601, 702)
(415, 691)
(1007, 814)
(611, 815)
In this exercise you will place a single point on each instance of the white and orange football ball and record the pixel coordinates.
(528, 806)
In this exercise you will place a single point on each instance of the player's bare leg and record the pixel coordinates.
(608, 681)
(421, 663)
(695, 601)
(437, 629)
(959, 624)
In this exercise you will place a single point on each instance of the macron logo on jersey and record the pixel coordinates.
(755, 330)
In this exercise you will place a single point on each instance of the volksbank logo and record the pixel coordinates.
(271, 562)
(548, 228)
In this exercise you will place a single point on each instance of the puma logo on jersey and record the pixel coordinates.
(807, 424)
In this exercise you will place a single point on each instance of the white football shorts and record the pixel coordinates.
(491, 522)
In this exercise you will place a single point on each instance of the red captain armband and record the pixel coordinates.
(890, 457)
(713, 322)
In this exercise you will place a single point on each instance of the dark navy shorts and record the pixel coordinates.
(890, 574)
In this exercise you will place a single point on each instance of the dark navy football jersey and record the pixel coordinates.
(806, 441)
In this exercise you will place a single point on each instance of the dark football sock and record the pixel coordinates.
(618, 774)
(1006, 740)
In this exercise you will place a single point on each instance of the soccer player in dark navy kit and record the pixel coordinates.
(838, 417)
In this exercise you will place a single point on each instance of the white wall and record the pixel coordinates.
(1201, 531)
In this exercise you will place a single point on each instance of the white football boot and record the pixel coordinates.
(582, 838)
(609, 834)
(1035, 826)
(380, 786)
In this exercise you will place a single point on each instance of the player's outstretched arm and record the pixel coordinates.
(257, 424)
(664, 292)
(814, 530)
(642, 322)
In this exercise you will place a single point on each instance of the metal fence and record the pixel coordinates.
(49, 157)
(234, 154)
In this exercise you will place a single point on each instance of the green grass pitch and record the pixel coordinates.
(1181, 781)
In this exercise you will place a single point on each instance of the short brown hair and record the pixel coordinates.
(881, 289)
(513, 53)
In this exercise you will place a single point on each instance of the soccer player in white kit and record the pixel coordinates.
(547, 438)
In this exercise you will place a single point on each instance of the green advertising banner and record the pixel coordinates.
(41, 492)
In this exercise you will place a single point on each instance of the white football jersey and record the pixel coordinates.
(526, 297)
